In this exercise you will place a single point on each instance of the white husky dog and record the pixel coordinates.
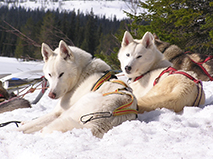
(154, 82)
(72, 73)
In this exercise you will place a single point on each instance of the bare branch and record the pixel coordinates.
(21, 35)
(63, 36)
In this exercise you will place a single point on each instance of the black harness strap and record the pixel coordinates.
(9, 122)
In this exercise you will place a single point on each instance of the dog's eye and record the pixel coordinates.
(50, 75)
(139, 56)
(128, 55)
(61, 75)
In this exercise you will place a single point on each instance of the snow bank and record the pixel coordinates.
(157, 134)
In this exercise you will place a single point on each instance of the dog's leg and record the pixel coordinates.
(39, 123)
(62, 124)
(172, 93)
(170, 101)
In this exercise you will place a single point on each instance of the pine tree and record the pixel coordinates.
(78, 34)
(72, 25)
(47, 32)
(24, 47)
(85, 31)
(90, 35)
(180, 22)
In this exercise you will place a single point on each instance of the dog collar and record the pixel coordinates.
(139, 77)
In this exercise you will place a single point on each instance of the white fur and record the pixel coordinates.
(139, 57)
(71, 73)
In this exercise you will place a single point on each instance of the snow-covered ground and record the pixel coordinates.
(99, 7)
(159, 134)
(12, 65)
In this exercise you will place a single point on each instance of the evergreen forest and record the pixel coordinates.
(22, 32)
(186, 23)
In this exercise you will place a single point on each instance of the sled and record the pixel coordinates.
(25, 82)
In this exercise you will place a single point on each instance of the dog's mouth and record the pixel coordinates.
(128, 72)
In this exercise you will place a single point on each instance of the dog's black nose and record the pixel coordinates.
(52, 95)
(128, 69)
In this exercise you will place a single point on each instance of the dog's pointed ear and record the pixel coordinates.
(126, 39)
(65, 51)
(46, 52)
(148, 40)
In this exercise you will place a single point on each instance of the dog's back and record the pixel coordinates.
(14, 104)
(200, 58)
(183, 61)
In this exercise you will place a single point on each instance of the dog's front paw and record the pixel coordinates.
(45, 131)
(27, 128)
(22, 128)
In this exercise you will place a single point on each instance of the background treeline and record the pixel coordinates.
(22, 32)
(186, 23)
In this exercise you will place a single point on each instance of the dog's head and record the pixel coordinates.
(59, 69)
(136, 56)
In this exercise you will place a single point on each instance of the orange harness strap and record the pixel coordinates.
(104, 78)
(123, 109)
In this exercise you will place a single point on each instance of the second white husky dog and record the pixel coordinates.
(72, 73)
(155, 84)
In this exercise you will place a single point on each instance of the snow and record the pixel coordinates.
(157, 134)
(12, 65)
(99, 7)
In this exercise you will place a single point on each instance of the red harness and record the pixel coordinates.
(201, 66)
(171, 71)
(139, 77)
